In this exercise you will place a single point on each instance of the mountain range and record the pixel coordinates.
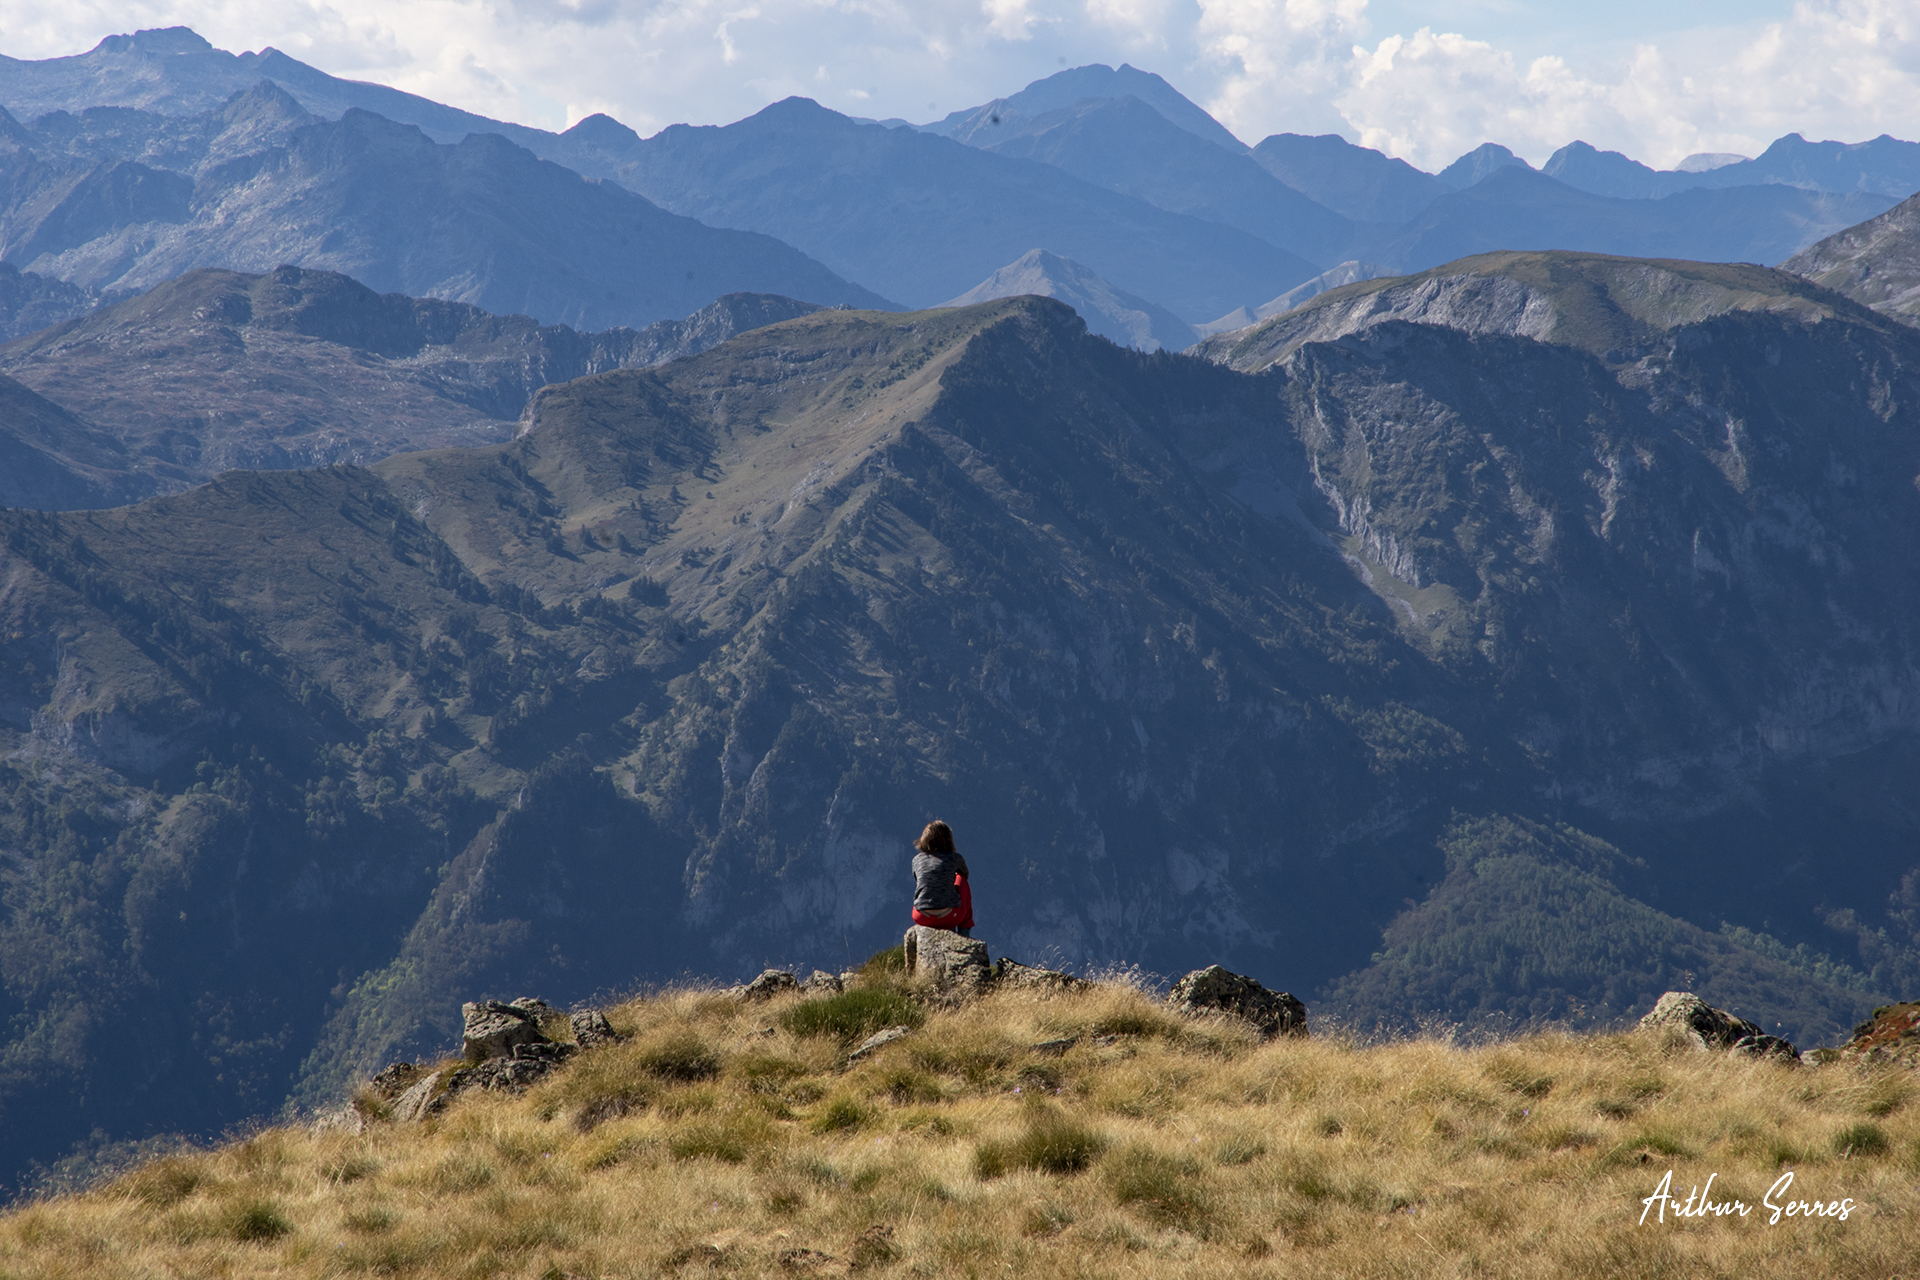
(115, 199)
(1603, 592)
(128, 166)
(1508, 640)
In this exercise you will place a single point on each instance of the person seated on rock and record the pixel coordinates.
(941, 897)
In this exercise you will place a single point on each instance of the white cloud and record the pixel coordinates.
(1828, 68)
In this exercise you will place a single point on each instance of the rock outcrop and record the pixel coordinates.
(495, 1030)
(1711, 1028)
(945, 961)
(1025, 977)
(1892, 1035)
(1216, 990)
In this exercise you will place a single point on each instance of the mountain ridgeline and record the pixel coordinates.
(1439, 631)
(216, 370)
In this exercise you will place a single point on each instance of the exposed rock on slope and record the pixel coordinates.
(1127, 320)
(218, 370)
(1877, 263)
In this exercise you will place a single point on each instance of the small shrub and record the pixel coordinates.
(255, 1222)
(1163, 1189)
(1863, 1139)
(852, 1016)
(683, 1056)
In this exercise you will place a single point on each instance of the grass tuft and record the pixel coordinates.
(1863, 1139)
(1052, 1143)
(852, 1016)
(1163, 1189)
(683, 1056)
(254, 1221)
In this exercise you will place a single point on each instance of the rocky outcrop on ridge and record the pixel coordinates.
(1216, 990)
(1711, 1028)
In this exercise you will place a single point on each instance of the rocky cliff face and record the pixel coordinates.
(1193, 660)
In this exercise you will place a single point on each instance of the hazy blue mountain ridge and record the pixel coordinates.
(922, 218)
(1066, 89)
(1125, 145)
(482, 221)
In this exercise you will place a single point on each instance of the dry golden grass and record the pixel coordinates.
(718, 1142)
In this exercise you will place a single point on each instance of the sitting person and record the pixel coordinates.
(941, 897)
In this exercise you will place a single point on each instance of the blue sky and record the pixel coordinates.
(1658, 79)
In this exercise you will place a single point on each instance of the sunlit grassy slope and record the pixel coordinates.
(737, 1139)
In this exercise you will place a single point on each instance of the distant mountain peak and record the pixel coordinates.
(1114, 314)
(601, 129)
(1478, 163)
(1095, 80)
(163, 41)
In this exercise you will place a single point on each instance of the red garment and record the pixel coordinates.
(960, 917)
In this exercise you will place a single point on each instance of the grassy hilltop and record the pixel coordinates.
(737, 1138)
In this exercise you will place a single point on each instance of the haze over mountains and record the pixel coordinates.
(155, 152)
(1516, 637)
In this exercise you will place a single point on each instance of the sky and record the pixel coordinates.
(1425, 81)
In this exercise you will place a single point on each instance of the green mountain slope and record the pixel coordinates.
(1200, 664)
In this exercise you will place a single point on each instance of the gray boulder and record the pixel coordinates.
(422, 1099)
(590, 1028)
(1025, 977)
(495, 1030)
(822, 983)
(946, 961)
(770, 983)
(1215, 990)
(879, 1040)
(1711, 1028)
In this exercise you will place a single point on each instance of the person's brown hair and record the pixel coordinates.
(937, 838)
